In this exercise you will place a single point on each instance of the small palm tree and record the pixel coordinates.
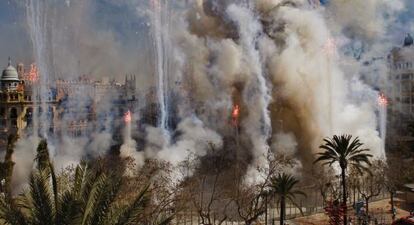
(283, 186)
(346, 152)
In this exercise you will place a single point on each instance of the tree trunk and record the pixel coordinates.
(266, 210)
(392, 200)
(343, 175)
(367, 205)
(282, 210)
(354, 194)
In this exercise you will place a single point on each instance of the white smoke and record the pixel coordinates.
(271, 57)
(194, 138)
(277, 50)
(24, 154)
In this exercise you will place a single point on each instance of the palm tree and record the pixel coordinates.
(346, 152)
(91, 198)
(283, 186)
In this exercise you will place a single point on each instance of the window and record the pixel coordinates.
(406, 100)
(405, 86)
(406, 76)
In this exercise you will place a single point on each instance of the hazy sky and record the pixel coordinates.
(120, 18)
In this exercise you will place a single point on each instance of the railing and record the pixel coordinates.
(310, 205)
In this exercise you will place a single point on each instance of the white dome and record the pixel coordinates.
(10, 74)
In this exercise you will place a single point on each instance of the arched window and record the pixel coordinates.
(13, 113)
(29, 116)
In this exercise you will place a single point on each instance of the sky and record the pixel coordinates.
(127, 28)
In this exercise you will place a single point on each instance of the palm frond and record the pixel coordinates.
(106, 198)
(69, 210)
(91, 199)
(42, 210)
(42, 156)
(11, 214)
(128, 215)
(343, 150)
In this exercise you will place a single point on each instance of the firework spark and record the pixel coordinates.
(127, 117)
(235, 114)
(382, 100)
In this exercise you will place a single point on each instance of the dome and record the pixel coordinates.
(10, 73)
(408, 41)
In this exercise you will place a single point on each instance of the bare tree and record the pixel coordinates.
(251, 199)
(326, 183)
(371, 184)
(397, 172)
(164, 193)
(208, 189)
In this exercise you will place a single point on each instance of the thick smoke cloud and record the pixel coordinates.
(287, 43)
(297, 71)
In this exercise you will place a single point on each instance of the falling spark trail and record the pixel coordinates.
(37, 21)
(160, 26)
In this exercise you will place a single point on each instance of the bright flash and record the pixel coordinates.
(33, 74)
(236, 111)
(235, 114)
(127, 117)
(382, 100)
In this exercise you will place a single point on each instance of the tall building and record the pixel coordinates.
(400, 91)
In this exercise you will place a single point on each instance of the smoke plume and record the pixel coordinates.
(298, 72)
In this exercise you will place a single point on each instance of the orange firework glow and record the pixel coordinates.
(33, 74)
(127, 117)
(382, 100)
(235, 114)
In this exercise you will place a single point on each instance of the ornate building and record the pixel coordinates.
(71, 104)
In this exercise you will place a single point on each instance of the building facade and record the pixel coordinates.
(71, 105)
(400, 92)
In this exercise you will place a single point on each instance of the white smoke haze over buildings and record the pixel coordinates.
(299, 73)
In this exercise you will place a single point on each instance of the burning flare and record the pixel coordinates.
(235, 114)
(127, 117)
(382, 100)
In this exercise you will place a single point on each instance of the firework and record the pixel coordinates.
(382, 100)
(127, 117)
(235, 114)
